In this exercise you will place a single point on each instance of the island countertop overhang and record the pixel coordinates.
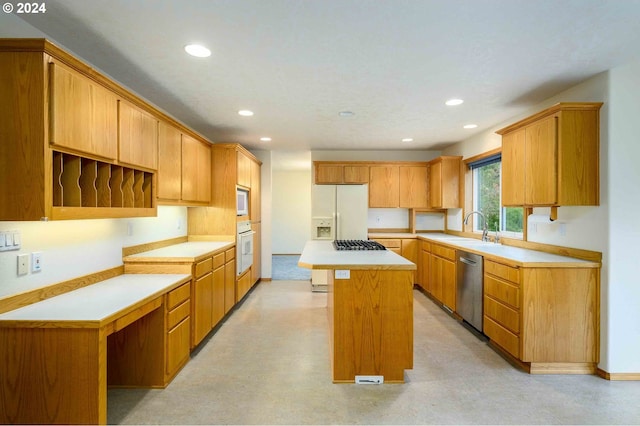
(318, 254)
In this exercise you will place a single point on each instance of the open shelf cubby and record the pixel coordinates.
(83, 182)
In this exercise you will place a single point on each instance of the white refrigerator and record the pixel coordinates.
(346, 205)
(338, 212)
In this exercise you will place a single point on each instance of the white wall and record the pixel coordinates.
(72, 248)
(622, 326)
(291, 211)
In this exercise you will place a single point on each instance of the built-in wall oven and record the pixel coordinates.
(244, 246)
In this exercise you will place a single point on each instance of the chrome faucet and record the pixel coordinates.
(485, 229)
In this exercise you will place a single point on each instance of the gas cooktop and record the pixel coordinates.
(357, 245)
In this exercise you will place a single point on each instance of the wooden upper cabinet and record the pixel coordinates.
(512, 173)
(341, 173)
(84, 115)
(329, 174)
(541, 167)
(137, 136)
(384, 186)
(254, 202)
(413, 187)
(244, 170)
(356, 174)
(169, 162)
(196, 170)
(444, 183)
(552, 157)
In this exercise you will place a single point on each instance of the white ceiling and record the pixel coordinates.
(297, 63)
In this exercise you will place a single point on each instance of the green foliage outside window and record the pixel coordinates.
(488, 201)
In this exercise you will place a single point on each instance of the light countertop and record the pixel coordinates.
(322, 255)
(515, 255)
(183, 252)
(97, 303)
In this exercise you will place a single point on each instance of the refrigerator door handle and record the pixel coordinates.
(338, 236)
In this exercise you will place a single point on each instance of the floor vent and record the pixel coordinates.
(369, 380)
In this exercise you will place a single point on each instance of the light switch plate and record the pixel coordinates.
(10, 240)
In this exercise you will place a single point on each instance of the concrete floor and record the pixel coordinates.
(269, 364)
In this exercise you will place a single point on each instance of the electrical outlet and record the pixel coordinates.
(342, 274)
(36, 261)
(129, 228)
(23, 264)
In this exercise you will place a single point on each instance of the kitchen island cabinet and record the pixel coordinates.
(370, 311)
(57, 356)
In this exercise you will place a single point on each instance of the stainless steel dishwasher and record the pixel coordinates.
(469, 288)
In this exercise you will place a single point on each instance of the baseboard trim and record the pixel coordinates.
(618, 376)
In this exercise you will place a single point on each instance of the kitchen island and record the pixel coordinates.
(370, 311)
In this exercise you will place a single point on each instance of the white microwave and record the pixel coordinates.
(243, 202)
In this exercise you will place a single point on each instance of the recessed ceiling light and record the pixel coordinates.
(454, 102)
(265, 139)
(245, 113)
(470, 126)
(197, 50)
(407, 140)
(346, 113)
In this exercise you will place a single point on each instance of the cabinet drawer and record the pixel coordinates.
(502, 291)
(390, 244)
(229, 255)
(178, 314)
(502, 314)
(425, 246)
(444, 252)
(503, 271)
(203, 267)
(218, 260)
(179, 295)
(502, 337)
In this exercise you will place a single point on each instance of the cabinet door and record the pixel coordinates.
(244, 170)
(229, 285)
(413, 186)
(356, 174)
(426, 270)
(410, 249)
(257, 253)
(196, 170)
(435, 279)
(541, 162)
(203, 304)
(255, 203)
(435, 185)
(448, 276)
(217, 307)
(84, 115)
(513, 148)
(169, 162)
(329, 174)
(137, 137)
(178, 346)
(384, 186)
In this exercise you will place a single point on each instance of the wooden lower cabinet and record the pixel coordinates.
(218, 302)
(229, 279)
(178, 314)
(546, 318)
(424, 266)
(243, 284)
(442, 275)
